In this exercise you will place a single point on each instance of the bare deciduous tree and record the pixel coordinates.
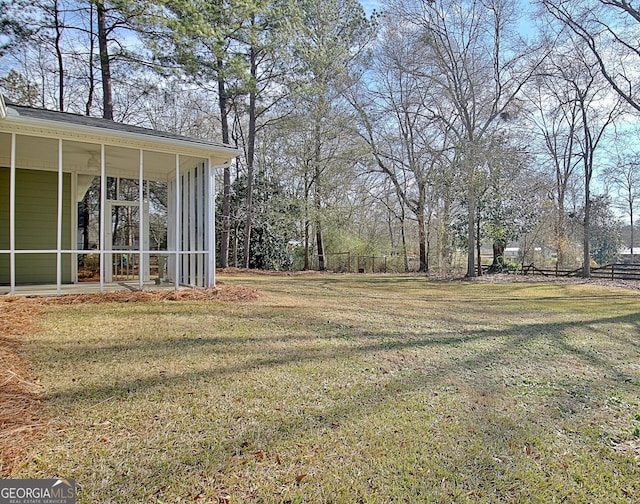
(625, 179)
(474, 66)
(609, 29)
(397, 124)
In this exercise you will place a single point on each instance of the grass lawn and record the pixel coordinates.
(346, 389)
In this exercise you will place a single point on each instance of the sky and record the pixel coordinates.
(526, 26)
(369, 5)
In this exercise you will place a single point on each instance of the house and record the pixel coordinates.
(129, 204)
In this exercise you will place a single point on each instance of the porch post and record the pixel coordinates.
(184, 258)
(59, 225)
(210, 224)
(12, 217)
(73, 209)
(141, 262)
(177, 217)
(103, 219)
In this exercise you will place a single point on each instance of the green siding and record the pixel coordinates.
(36, 225)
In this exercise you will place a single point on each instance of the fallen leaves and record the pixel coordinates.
(229, 293)
(20, 392)
(630, 448)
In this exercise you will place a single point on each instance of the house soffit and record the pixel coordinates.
(125, 140)
(82, 141)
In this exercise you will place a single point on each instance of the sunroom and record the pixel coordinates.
(87, 200)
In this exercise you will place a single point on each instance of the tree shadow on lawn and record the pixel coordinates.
(473, 432)
(352, 343)
(471, 392)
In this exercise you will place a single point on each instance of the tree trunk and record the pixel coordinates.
(58, 30)
(631, 219)
(428, 240)
(235, 246)
(588, 172)
(445, 253)
(307, 221)
(85, 221)
(586, 257)
(92, 80)
(497, 266)
(471, 223)
(422, 241)
(478, 246)
(321, 262)
(226, 196)
(318, 208)
(317, 160)
(560, 235)
(251, 143)
(307, 226)
(392, 238)
(105, 67)
(404, 240)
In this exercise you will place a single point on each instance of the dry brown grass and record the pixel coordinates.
(220, 293)
(345, 389)
(20, 392)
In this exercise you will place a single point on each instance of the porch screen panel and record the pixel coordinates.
(200, 224)
(193, 272)
(196, 231)
(187, 226)
(5, 163)
(191, 190)
(184, 185)
(210, 224)
(36, 225)
(171, 229)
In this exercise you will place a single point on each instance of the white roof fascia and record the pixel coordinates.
(91, 134)
(3, 108)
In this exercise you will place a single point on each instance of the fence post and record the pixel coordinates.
(613, 267)
(373, 264)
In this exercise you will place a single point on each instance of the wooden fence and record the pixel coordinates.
(618, 271)
(345, 262)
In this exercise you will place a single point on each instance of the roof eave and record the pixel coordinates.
(169, 144)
